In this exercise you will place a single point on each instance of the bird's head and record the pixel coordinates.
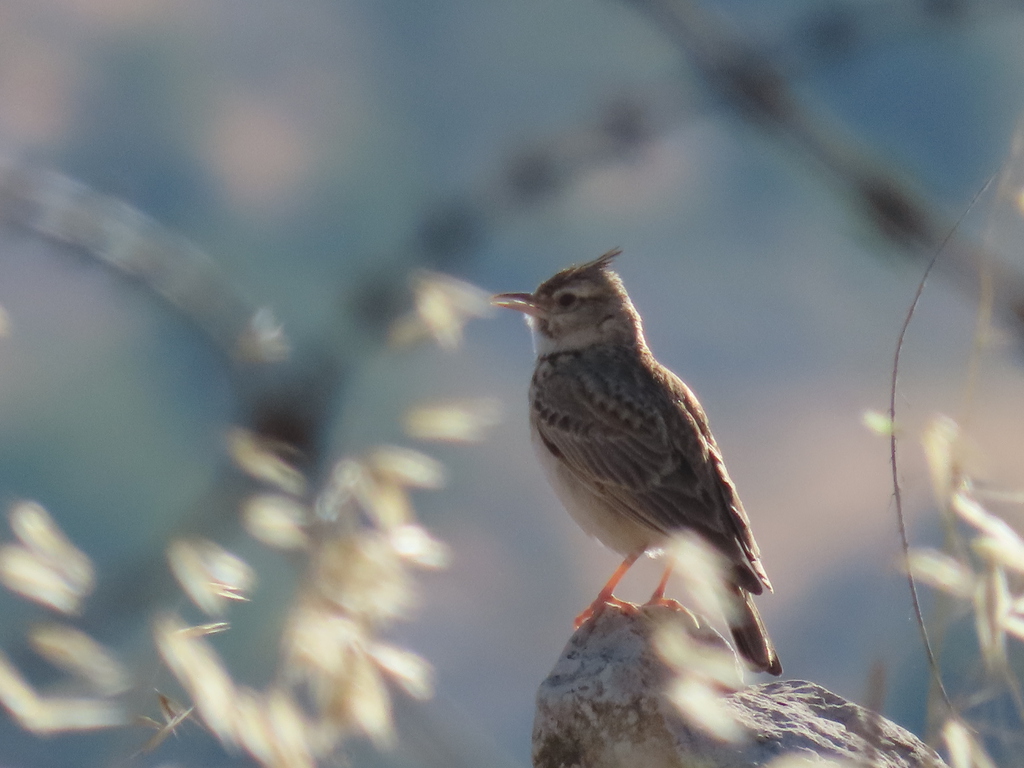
(581, 306)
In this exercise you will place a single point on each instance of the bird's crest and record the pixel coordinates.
(601, 264)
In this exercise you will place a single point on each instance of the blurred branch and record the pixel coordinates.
(833, 31)
(279, 394)
(755, 87)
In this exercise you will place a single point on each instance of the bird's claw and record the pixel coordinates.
(598, 607)
(666, 602)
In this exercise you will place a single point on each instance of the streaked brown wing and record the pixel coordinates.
(692, 413)
(615, 438)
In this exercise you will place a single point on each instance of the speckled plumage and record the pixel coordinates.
(625, 443)
(627, 426)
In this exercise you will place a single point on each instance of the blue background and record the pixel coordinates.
(303, 144)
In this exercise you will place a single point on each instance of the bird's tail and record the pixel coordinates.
(751, 637)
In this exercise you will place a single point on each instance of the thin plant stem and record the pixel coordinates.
(933, 663)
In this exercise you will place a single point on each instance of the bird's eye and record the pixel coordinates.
(567, 299)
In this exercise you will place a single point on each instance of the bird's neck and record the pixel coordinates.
(548, 340)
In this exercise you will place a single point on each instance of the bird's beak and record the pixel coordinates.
(521, 302)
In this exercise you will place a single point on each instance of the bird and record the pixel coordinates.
(627, 447)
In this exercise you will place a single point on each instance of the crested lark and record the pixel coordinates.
(627, 446)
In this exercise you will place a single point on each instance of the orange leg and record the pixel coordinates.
(605, 597)
(659, 593)
(658, 598)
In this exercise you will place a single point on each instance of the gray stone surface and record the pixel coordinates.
(604, 706)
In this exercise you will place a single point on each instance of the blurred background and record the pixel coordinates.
(778, 175)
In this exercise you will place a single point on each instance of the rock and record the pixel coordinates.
(606, 704)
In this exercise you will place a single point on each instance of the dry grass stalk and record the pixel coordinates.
(878, 422)
(44, 566)
(984, 574)
(940, 441)
(359, 580)
(276, 520)
(703, 573)
(45, 715)
(173, 713)
(405, 468)
(964, 750)
(703, 665)
(943, 572)
(199, 670)
(209, 574)
(74, 651)
(443, 306)
(264, 460)
(458, 421)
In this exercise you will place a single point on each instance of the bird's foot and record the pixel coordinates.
(598, 607)
(660, 601)
(665, 602)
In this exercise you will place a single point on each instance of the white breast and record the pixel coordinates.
(590, 511)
